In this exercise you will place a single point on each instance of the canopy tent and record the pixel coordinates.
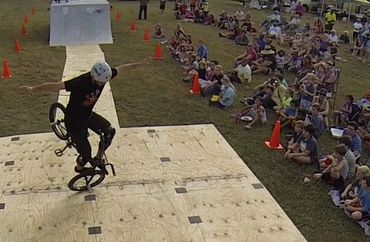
(350, 2)
(356, 2)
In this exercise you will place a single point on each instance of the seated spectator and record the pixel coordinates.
(344, 38)
(323, 101)
(202, 72)
(298, 132)
(261, 42)
(256, 111)
(289, 113)
(316, 120)
(274, 99)
(281, 59)
(308, 90)
(209, 19)
(326, 73)
(239, 14)
(357, 47)
(353, 188)
(297, 42)
(293, 24)
(350, 157)
(333, 38)
(318, 26)
(305, 150)
(242, 38)
(337, 171)
(347, 113)
(356, 142)
(285, 40)
(274, 31)
(295, 62)
(221, 20)
(227, 95)
(324, 46)
(213, 85)
(333, 51)
(249, 55)
(202, 51)
(179, 31)
(158, 33)
(211, 69)
(359, 207)
(269, 42)
(267, 63)
(241, 74)
(189, 16)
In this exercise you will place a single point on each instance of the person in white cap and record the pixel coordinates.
(79, 117)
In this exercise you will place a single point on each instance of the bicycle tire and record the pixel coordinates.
(58, 126)
(72, 183)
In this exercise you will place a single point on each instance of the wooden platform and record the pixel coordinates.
(181, 183)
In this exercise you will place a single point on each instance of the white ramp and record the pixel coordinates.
(80, 22)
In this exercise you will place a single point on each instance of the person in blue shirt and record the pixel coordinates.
(359, 207)
(261, 42)
(202, 51)
(227, 95)
(356, 142)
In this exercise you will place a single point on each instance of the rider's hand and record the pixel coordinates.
(25, 88)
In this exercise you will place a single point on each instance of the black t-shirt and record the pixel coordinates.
(218, 78)
(84, 95)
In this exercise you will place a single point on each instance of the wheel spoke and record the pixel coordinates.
(89, 180)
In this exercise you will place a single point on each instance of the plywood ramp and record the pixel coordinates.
(79, 60)
(180, 184)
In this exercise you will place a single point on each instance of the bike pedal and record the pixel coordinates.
(58, 152)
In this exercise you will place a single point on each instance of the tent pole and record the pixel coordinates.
(349, 12)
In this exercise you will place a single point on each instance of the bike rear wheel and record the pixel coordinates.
(86, 180)
(57, 120)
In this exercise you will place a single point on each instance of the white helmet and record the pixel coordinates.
(101, 72)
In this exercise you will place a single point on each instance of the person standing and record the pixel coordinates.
(143, 7)
(330, 18)
(162, 5)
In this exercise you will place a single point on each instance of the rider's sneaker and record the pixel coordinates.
(100, 165)
(79, 169)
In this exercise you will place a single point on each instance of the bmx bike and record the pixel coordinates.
(88, 177)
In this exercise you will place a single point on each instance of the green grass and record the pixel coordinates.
(155, 95)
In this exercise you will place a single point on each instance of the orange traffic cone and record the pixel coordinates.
(6, 71)
(133, 26)
(23, 30)
(118, 16)
(196, 87)
(26, 19)
(158, 52)
(17, 47)
(33, 12)
(146, 36)
(274, 142)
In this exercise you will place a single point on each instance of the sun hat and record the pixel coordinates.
(267, 50)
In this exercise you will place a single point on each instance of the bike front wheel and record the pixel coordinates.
(57, 120)
(86, 180)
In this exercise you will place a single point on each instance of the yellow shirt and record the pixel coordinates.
(330, 17)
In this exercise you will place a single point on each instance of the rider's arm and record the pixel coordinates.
(48, 87)
(131, 65)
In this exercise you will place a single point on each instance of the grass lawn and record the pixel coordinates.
(155, 95)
